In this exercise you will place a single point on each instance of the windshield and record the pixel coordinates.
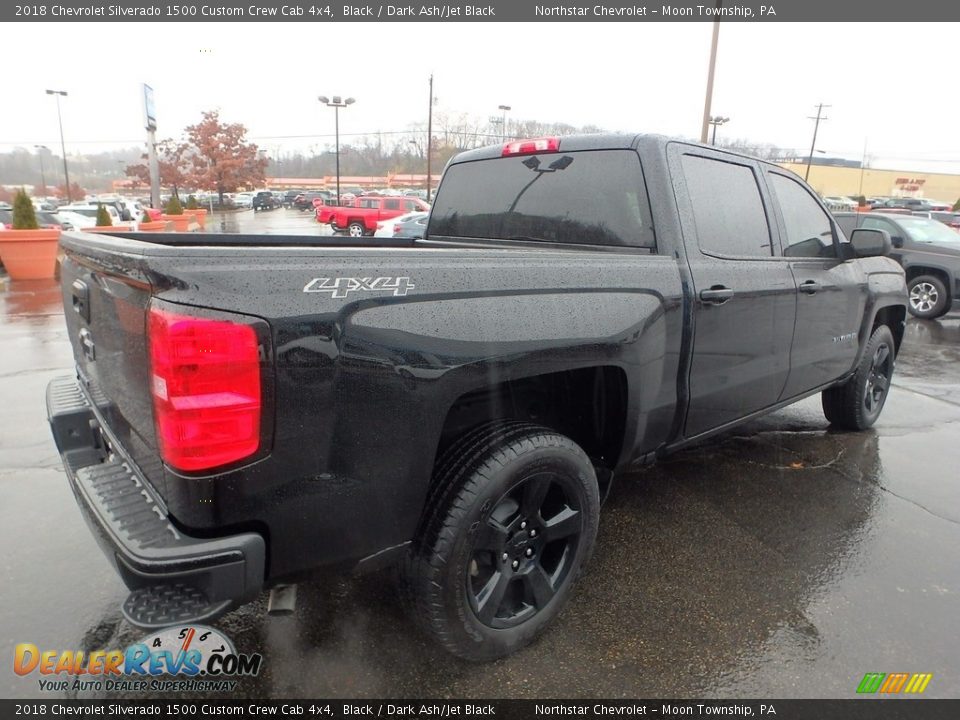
(929, 231)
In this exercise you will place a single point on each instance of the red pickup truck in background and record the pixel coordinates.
(362, 217)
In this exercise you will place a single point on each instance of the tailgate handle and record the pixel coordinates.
(81, 299)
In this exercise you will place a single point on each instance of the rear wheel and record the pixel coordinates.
(928, 297)
(857, 403)
(509, 526)
(356, 229)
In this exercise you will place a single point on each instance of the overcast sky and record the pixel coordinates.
(891, 85)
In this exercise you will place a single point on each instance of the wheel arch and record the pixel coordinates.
(588, 405)
(895, 318)
(941, 273)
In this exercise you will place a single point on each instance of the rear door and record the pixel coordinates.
(832, 293)
(744, 294)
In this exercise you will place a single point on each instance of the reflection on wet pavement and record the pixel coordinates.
(782, 559)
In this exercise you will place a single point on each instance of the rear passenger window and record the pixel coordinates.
(727, 208)
(391, 204)
(808, 226)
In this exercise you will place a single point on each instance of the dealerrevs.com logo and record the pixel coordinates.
(195, 656)
(894, 683)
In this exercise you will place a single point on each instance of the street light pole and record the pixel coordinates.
(63, 145)
(710, 71)
(504, 109)
(717, 120)
(43, 175)
(336, 102)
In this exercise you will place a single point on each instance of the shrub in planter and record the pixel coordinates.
(173, 206)
(192, 203)
(103, 217)
(24, 216)
(27, 251)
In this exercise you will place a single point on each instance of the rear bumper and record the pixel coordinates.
(175, 577)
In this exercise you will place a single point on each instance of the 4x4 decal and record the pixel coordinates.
(340, 287)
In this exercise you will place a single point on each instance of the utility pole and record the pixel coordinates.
(816, 126)
(429, 137)
(63, 146)
(863, 164)
(43, 174)
(713, 63)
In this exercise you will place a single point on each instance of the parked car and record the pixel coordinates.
(306, 201)
(411, 227)
(44, 219)
(263, 200)
(838, 203)
(385, 227)
(455, 405)
(904, 204)
(929, 252)
(290, 196)
(89, 212)
(76, 220)
(243, 200)
(362, 218)
(948, 218)
(939, 205)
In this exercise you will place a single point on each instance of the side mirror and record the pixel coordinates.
(870, 243)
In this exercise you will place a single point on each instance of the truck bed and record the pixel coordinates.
(174, 239)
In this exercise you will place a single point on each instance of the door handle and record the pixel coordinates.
(809, 287)
(716, 295)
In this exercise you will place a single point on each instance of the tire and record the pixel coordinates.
(356, 229)
(857, 403)
(510, 522)
(927, 297)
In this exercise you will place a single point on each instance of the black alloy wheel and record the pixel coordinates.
(523, 550)
(878, 379)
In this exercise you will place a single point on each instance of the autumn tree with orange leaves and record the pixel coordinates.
(221, 159)
(172, 160)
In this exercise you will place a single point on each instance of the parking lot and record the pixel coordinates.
(780, 560)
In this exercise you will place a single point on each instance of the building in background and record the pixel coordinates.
(849, 178)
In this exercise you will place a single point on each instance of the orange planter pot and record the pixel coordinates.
(29, 254)
(200, 215)
(181, 223)
(156, 226)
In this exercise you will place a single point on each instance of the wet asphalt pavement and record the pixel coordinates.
(780, 560)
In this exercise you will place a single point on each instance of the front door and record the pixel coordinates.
(832, 293)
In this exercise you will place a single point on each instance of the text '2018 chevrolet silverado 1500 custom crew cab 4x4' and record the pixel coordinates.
(246, 409)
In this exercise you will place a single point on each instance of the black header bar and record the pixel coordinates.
(852, 11)
(854, 709)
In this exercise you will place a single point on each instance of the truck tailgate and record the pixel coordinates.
(105, 304)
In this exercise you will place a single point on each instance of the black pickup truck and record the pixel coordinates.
(246, 409)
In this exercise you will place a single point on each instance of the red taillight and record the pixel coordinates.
(396, 228)
(525, 147)
(206, 389)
